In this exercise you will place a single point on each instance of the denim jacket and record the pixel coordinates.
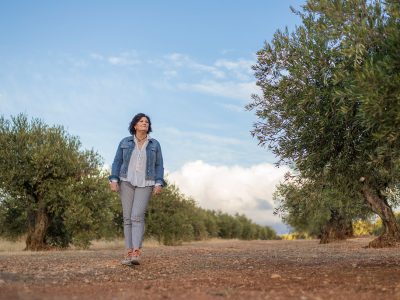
(154, 162)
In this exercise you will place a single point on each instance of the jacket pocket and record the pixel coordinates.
(126, 151)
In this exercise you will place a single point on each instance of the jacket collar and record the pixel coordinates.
(130, 138)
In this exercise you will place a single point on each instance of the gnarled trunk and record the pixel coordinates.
(37, 229)
(391, 231)
(338, 228)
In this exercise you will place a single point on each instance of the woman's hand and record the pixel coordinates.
(114, 186)
(157, 190)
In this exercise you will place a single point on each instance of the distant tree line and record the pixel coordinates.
(57, 194)
(173, 218)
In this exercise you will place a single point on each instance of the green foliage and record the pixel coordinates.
(211, 223)
(307, 206)
(44, 170)
(266, 233)
(12, 218)
(168, 217)
(90, 212)
(173, 218)
(320, 113)
(330, 105)
(229, 227)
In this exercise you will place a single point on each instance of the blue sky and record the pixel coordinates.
(91, 65)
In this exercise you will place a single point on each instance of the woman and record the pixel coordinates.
(137, 172)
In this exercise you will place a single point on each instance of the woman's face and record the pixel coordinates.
(142, 125)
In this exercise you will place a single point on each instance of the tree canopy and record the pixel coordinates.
(50, 189)
(330, 102)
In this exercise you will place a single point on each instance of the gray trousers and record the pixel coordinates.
(134, 204)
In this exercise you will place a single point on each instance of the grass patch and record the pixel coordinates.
(12, 246)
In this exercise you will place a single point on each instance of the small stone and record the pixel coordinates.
(275, 276)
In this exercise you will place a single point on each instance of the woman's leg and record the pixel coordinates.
(140, 203)
(127, 193)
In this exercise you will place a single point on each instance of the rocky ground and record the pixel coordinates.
(218, 269)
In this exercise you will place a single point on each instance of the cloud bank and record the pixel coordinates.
(232, 189)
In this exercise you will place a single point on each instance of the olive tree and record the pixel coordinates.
(319, 208)
(330, 102)
(51, 190)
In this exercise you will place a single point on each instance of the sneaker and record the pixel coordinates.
(127, 261)
(135, 257)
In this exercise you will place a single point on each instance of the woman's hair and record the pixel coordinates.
(135, 120)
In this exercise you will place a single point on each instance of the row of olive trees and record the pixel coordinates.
(56, 195)
(173, 218)
(330, 108)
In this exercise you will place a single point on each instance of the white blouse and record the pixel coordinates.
(137, 166)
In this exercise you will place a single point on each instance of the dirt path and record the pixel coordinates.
(208, 270)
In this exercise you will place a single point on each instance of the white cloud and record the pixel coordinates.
(123, 59)
(178, 58)
(227, 51)
(224, 78)
(233, 107)
(170, 73)
(202, 137)
(231, 89)
(97, 56)
(184, 61)
(240, 64)
(240, 69)
(232, 189)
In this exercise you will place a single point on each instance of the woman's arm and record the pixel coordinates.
(116, 165)
(159, 167)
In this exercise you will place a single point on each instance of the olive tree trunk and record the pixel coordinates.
(338, 228)
(38, 225)
(391, 231)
